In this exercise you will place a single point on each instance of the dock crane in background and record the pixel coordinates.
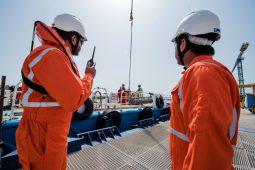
(242, 86)
(240, 68)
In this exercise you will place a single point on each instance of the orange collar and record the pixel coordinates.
(48, 35)
(200, 58)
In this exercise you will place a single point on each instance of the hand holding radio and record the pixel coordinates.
(91, 65)
(91, 61)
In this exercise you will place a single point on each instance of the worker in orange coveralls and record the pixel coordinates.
(119, 95)
(122, 95)
(205, 105)
(52, 90)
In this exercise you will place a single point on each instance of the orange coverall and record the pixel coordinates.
(205, 110)
(41, 136)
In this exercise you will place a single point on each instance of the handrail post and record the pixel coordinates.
(2, 104)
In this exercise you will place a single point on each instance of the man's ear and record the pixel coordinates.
(183, 44)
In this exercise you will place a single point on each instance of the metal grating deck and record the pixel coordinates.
(148, 149)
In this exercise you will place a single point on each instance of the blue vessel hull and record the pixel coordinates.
(129, 119)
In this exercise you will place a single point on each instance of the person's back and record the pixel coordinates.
(205, 104)
(51, 92)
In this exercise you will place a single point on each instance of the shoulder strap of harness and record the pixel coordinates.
(33, 85)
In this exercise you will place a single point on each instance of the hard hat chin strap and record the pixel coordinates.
(182, 53)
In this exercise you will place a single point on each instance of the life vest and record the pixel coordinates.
(45, 37)
(52, 45)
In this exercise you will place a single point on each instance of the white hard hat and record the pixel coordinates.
(199, 22)
(67, 22)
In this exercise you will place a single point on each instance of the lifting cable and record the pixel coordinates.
(131, 43)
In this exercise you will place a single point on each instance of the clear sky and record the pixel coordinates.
(108, 27)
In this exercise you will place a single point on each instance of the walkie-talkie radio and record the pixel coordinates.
(91, 61)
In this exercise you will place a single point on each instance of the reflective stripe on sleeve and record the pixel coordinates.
(179, 134)
(232, 129)
(180, 94)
